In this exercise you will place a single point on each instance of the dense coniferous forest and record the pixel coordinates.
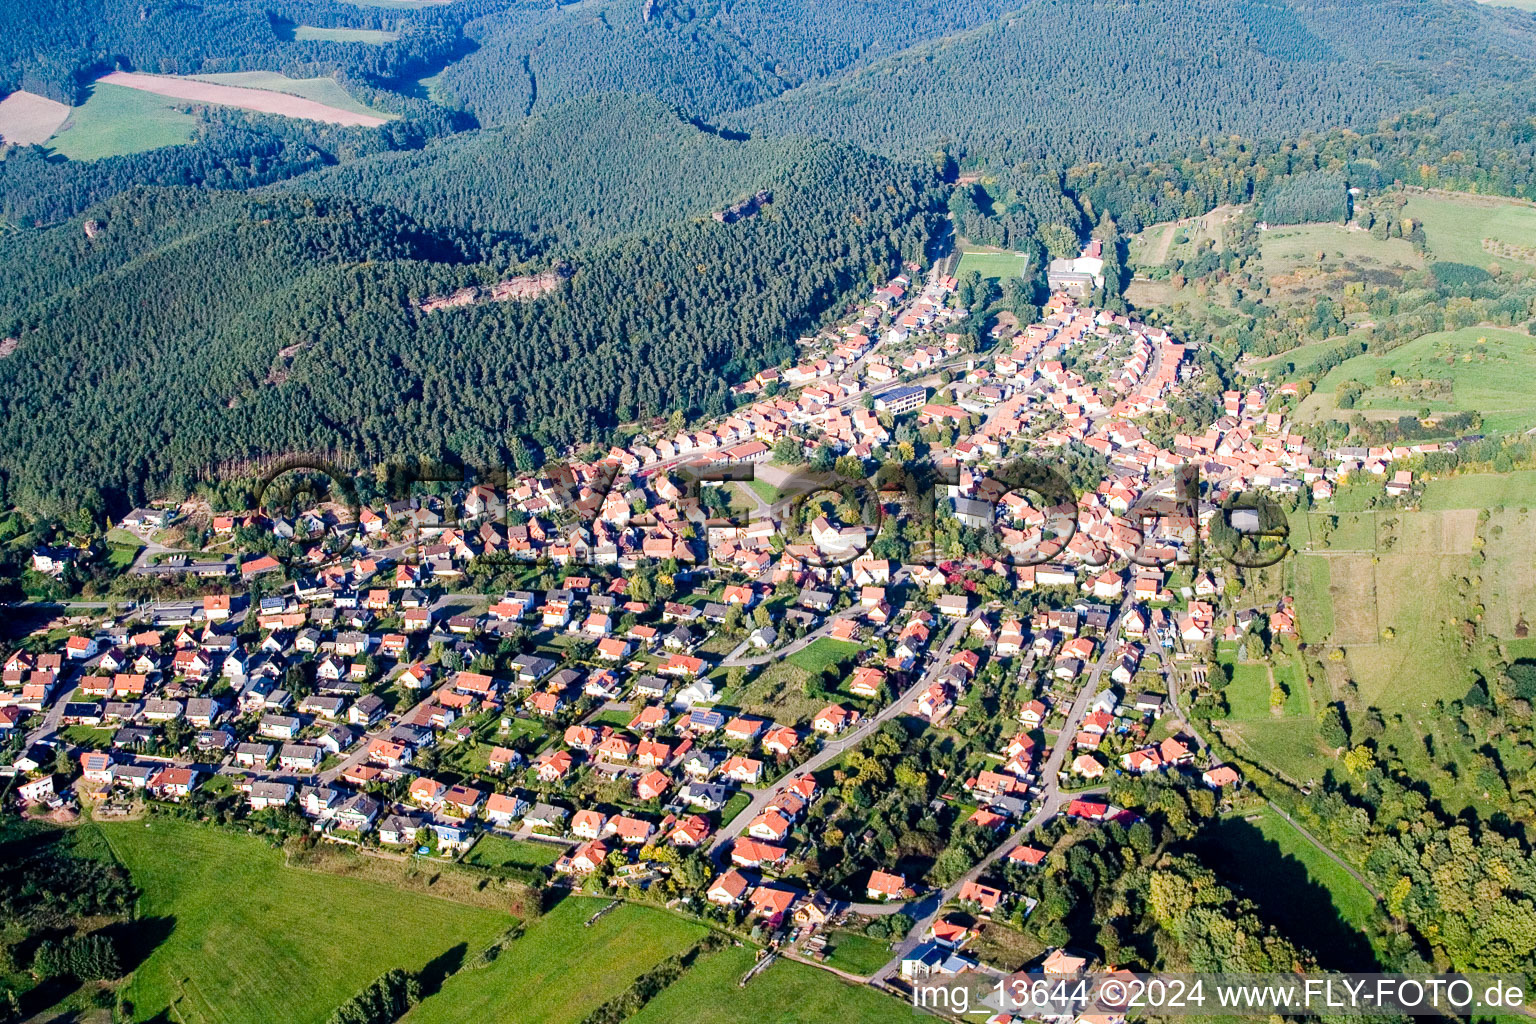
(706, 58)
(203, 327)
(594, 169)
(1120, 78)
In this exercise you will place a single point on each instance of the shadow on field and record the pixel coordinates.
(1279, 884)
(440, 968)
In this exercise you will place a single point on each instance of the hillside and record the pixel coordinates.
(156, 350)
(1157, 73)
(705, 58)
(597, 168)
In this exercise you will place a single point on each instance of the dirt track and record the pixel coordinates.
(259, 100)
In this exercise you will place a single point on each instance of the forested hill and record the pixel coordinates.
(201, 327)
(1065, 80)
(598, 168)
(703, 56)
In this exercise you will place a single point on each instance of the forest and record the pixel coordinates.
(199, 327)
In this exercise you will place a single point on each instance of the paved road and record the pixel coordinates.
(833, 748)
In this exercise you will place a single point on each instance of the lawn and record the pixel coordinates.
(121, 556)
(786, 993)
(857, 954)
(116, 120)
(560, 970)
(823, 654)
(88, 736)
(1299, 886)
(1486, 369)
(1482, 490)
(321, 90)
(1457, 226)
(493, 851)
(999, 266)
(245, 935)
(344, 35)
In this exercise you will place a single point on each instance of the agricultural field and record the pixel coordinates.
(116, 120)
(996, 265)
(1487, 369)
(27, 119)
(375, 36)
(242, 932)
(1308, 893)
(1457, 228)
(786, 993)
(323, 91)
(538, 980)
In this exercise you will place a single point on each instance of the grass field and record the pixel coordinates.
(1301, 888)
(1180, 239)
(247, 936)
(560, 970)
(999, 266)
(1488, 369)
(1456, 227)
(116, 120)
(493, 851)
(1314, 608)
(786, 993)
(1286, 249)
(857, 954)
(823, 654)
(1482, 490)
(321, 90)
(376, 36)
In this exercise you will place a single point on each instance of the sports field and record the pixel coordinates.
(248, 939)
(115, 120)
(999, 266)
(786, 993)
(375, 36)
(1487, 369)
(560, 970)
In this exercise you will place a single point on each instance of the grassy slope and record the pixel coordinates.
(116, 120)
(786, 993)
(1455, 227)
(1300, 887)
(252, 940)
(1491, 370)
(560, 970)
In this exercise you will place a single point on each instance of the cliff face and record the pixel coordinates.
(520, 289)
